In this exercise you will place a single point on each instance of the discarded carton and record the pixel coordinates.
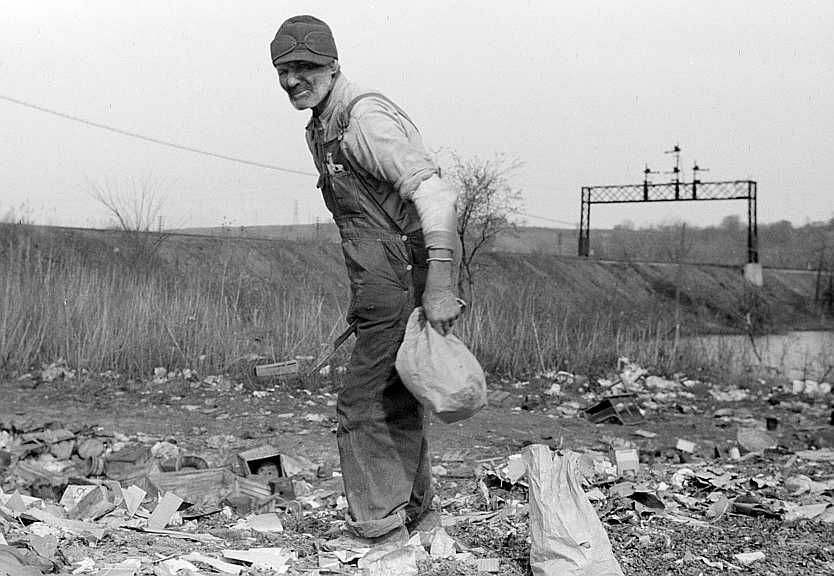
(73, 494)
(200, 486)
(49, 483)
(627, 460)
(619, 409)
(282, 487)
(261, 461)
(128, 464)
(164, 511)
(94, 504)
(251, 487)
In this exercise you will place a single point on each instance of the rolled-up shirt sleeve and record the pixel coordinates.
(388, 146)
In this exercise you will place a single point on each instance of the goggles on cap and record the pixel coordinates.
(317, 42)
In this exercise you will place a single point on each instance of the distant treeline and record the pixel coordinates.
(781, 244)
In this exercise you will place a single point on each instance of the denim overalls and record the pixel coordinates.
(382, 445)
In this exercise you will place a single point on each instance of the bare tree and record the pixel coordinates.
(486, 203)
(136, 210)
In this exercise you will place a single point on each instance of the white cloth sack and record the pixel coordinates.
(566, 535)
(440, 371)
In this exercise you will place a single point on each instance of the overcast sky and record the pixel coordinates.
(584, 93)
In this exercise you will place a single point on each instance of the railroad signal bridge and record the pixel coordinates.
(674, 191)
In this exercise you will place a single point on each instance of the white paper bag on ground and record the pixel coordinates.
(440, 371)
(567, 537)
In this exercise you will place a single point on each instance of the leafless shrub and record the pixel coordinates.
(135, 209)
(486, 203)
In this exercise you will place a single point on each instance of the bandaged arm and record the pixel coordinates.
(435, 203)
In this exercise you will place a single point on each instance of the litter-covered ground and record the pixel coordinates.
(190, 474)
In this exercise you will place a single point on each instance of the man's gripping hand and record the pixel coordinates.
(439, 302)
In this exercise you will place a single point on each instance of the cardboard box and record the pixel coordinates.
(262, 461)
(627, 460)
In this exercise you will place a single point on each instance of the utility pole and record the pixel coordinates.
(678, 279)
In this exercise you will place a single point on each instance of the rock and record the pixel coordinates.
(754, 440)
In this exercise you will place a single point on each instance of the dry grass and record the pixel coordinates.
(106, 305)
(58, 303)
(529, 331)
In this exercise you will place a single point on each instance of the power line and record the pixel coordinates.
(150, 139)
(547, 219)
(192, 149)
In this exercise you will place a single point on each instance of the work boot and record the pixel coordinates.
(347, 539)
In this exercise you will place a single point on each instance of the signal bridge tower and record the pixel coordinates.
(676, 190)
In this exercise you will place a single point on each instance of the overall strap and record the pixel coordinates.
(344, 119)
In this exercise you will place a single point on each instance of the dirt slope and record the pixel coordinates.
(716, 295)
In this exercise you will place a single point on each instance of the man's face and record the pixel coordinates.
(306, 84)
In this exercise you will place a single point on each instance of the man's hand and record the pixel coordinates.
(439, 302)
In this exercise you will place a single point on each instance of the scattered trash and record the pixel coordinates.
(747, 558)
(821, 455)
(164, 510)
(261, 461)
(685, 446)
(72, 484)
(390, 561)
(754, 440)
(276, 559)
(619, 408)
(627, 461)
(566, 534)
(269, 522)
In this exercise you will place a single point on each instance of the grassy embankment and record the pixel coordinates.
(110, 301)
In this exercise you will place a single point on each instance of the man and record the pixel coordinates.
(398, 226)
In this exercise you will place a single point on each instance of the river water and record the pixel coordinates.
(797, 355)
